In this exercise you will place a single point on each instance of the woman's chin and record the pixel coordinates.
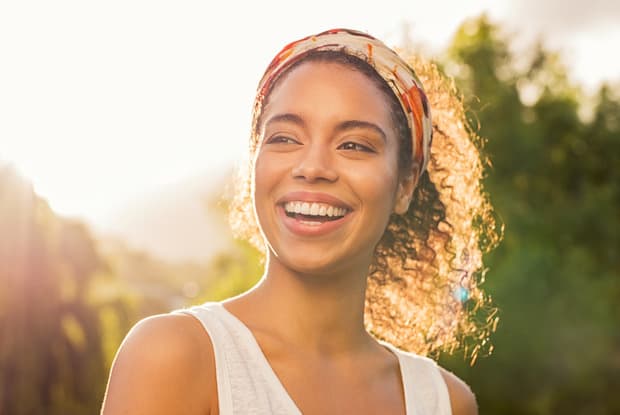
(309, 262)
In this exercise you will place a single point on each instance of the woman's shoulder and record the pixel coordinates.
(178, 337)
(462, 399)
(164, 365)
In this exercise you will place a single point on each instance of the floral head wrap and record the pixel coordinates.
(391, 67)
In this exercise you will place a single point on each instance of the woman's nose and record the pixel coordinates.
(315, 164)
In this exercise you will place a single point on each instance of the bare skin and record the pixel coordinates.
(307, 311)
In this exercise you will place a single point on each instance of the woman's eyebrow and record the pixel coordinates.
(353, 124)
(286, 117)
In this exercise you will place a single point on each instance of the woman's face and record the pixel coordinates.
(326, 170)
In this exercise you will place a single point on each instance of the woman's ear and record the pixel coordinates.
(404, 193)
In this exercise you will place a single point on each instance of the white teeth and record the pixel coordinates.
(314, 209)
(305, 209)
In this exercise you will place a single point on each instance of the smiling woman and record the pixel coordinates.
(373, 243)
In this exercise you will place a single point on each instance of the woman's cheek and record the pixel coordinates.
(267, 173)
(378, 185)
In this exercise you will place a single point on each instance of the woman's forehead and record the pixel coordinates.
(326, 86)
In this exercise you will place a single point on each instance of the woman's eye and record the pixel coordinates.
(281, 139)
(350, 145)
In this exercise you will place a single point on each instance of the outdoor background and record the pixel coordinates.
(78, 269)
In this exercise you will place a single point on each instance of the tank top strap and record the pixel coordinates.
(426, 391)
(221, 339)
(246, 384)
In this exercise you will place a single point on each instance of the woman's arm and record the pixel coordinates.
(165, 365)
(462, 399)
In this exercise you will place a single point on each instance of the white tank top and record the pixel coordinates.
(247, 385)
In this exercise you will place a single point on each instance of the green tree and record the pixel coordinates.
(555, 276)
(50, 338)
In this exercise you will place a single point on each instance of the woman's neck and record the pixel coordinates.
(322, 314)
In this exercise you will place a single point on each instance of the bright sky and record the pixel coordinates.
(103, 101)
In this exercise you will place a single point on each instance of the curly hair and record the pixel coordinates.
(423, 287)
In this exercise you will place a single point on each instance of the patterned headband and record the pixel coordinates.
(391, 67)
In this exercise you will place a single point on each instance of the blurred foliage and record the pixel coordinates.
(51, 344)
(67, 300)
(238, 270)
(556, 185)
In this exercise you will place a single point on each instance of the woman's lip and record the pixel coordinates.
(310, 228)
(311, 197)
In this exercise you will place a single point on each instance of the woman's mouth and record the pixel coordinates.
(309, 219)
(314, 211)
